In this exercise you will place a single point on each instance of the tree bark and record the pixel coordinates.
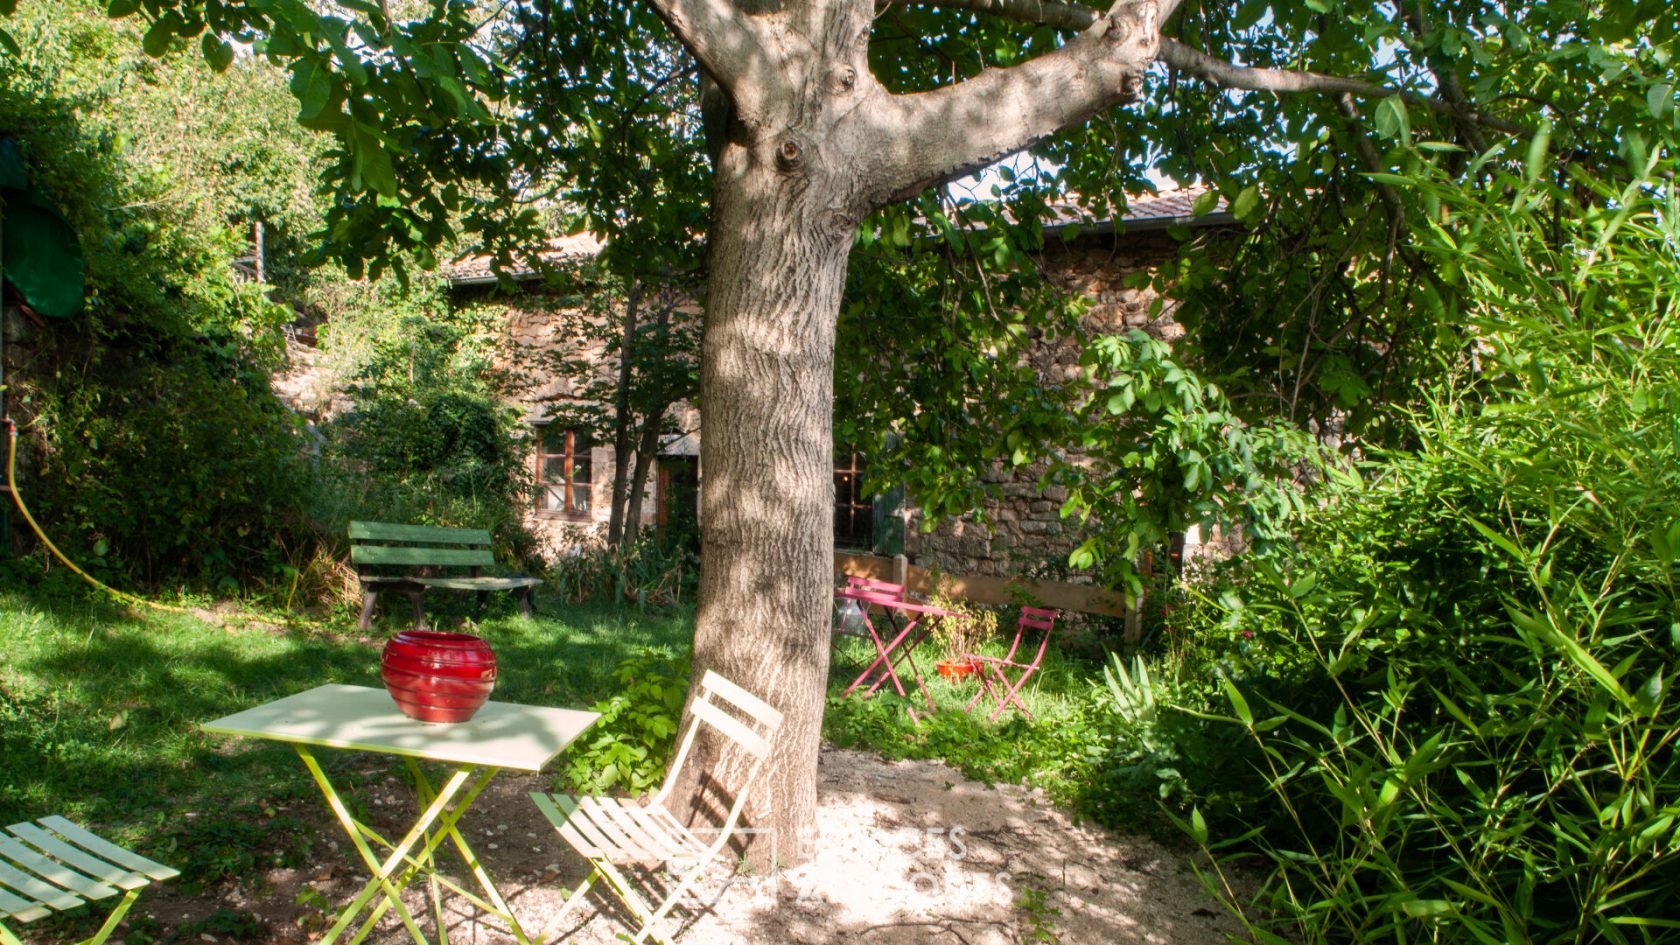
(646, 448)
(621, 415)
(778, 265)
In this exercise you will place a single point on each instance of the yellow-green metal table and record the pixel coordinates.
(501, 736)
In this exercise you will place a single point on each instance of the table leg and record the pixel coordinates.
(436, 812)
(500, 908)
(423, 790)
(884, 659)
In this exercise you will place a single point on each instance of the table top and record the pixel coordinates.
(501, 735)
(887, 600)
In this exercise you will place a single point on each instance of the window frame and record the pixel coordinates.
(568, 485)
(852, 502)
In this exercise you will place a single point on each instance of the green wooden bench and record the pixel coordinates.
(52, 865)
(422, 552)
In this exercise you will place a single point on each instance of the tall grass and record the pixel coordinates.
(1457, 689)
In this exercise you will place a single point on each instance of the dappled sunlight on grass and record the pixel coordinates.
(99, 708)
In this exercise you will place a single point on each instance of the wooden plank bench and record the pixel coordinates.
(52, 865)
(424, 550)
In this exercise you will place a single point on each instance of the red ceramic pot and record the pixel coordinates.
(436, 676)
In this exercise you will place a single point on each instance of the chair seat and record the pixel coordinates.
(622, 831)
(52, 865)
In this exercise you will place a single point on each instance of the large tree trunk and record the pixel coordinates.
(813, 144)
(778, 265)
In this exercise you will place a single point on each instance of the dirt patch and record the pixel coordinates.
(907, 852)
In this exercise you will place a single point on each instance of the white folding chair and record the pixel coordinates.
(52, 865)
(614, 832)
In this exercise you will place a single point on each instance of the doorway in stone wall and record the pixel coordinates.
(679, 502)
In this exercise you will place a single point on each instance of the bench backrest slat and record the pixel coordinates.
(391, 555)
(428, 534)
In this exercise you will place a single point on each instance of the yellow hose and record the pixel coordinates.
(17, 498)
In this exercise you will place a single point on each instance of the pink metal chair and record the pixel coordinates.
(995, 673)
(849, 614)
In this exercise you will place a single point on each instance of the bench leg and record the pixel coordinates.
(483, 598)
(524, 597)
(419, 612)
(368, 599)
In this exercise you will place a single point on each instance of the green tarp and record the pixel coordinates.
(39, 252)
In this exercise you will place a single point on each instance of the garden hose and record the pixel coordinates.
(17, 497)
(124, 596)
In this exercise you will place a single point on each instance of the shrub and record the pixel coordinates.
(155, 449)
(1456, 686)
(630, 746)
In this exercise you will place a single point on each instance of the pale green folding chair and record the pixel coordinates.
(52, 865)
(612, 833)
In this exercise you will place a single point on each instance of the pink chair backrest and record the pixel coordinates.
(1037, 618)
(874, 586)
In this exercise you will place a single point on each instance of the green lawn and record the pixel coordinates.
(99, 707)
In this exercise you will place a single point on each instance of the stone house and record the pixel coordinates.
(1021, 528)
(555, 352)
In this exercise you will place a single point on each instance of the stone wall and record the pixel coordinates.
(1023, 528)
(540, 327)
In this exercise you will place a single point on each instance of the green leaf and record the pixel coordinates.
(1428, 908)
(373, 163)
(1203, 206)
(1198, 826)
(1660, 99)
(313, 87)
(1239, 704)
(218, 53)
(156, 40)
(1647, 698)
(1244, 206)
(121, 8)
(1392, 118)
(1538, 146)
(9, 44)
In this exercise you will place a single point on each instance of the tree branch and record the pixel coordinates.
(914, 141)
(1051, 13)
(1289, 81)
(723, 40)
(1209, 68)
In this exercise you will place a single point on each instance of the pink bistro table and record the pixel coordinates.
(501, 736)
(909, 623)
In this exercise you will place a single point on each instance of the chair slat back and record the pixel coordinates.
(418, 534)
(718, 696)
(1037, 618)
(384, 544)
